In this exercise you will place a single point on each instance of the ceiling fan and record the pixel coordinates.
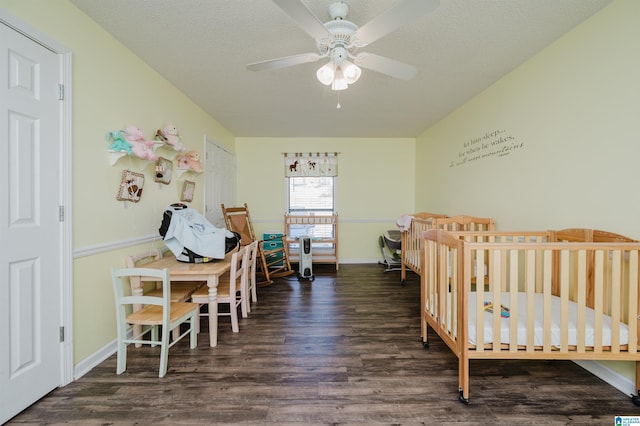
(339, 40)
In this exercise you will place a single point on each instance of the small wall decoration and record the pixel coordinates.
(318, 164)
(189, 161)
(130, 186)
(164, 171)
(488, 146)
(170, 137)
(140, 145)
(188, 189)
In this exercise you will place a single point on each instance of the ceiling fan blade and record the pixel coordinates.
(287, 61)
(394, 18)
(386, 66)
(303, 17)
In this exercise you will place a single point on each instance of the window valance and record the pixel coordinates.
(318, 164)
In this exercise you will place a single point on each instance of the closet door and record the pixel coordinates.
(220, 182)
(30, 225)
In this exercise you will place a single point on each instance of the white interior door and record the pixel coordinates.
(30, 230)
(220, 182)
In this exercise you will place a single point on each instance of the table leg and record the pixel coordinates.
(212, 283)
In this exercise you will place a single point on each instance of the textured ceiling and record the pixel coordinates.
(461, 48)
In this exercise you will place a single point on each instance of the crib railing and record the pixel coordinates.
(412, 245)
(527, 276)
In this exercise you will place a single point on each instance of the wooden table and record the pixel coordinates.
(209, 272)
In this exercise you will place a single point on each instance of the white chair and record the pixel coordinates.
(231, 290)
(252, 250)
(155, 311)
(180, 291)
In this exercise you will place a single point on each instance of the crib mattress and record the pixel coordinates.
(538, 323)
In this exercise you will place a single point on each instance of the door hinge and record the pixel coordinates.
(61, 92)
(61, 334)
(60, 213)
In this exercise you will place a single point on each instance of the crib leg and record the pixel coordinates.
(425, 337)
(463, 377)
(636, 398)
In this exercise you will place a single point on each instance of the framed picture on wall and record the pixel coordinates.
(130, 186)
(164, 170)
(188, 188)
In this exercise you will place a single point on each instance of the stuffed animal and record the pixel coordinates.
(118, 144)
(170, 136)
(190, 160)
(140, 145)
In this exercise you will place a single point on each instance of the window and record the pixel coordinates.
(310, 180)
(310, 195)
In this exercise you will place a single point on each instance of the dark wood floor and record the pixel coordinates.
(344, 349)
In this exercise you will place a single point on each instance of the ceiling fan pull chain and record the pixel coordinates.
(338, 106)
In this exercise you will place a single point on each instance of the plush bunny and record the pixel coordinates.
(190, 161)
(170, 136)
(118, 144)
(140, 145)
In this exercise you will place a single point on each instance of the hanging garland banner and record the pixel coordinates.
(311, 164)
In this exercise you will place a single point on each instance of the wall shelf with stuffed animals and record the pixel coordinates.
(132, 142)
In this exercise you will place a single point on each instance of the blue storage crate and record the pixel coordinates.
(273, 240)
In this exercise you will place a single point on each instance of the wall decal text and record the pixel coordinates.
(496, 143)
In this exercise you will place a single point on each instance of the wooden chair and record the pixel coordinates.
(156, 311)
(252, 252)
(232, 289)
(180, 291)
(272, 262)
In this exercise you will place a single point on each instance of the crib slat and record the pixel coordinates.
(496, 285)
(451, 301)
(616, 276)
(564, 301)
(530, 283)
(480, 302)
(513, 301)
(582, 299)
(598, 295)
(633, 301)
(547, 283)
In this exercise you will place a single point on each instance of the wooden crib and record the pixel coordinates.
(477, 289)
(411, 240)
(421, 222)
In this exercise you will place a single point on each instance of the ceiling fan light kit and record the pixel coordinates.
(339, 39)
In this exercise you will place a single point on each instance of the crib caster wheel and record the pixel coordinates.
(635, 399)
(402, 282)
(464, 400)
(425, 345)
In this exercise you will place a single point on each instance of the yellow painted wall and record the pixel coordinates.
(571, 117)
(374, 185)
(111, 89)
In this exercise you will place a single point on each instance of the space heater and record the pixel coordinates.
(306, 258)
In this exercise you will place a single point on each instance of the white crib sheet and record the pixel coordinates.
(538, 322)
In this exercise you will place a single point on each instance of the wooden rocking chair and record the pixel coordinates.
(272, 262)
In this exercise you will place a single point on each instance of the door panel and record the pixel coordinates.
(30, 290)
(220, 182)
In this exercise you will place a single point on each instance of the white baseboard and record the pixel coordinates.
(87, 364)
(612, 377)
